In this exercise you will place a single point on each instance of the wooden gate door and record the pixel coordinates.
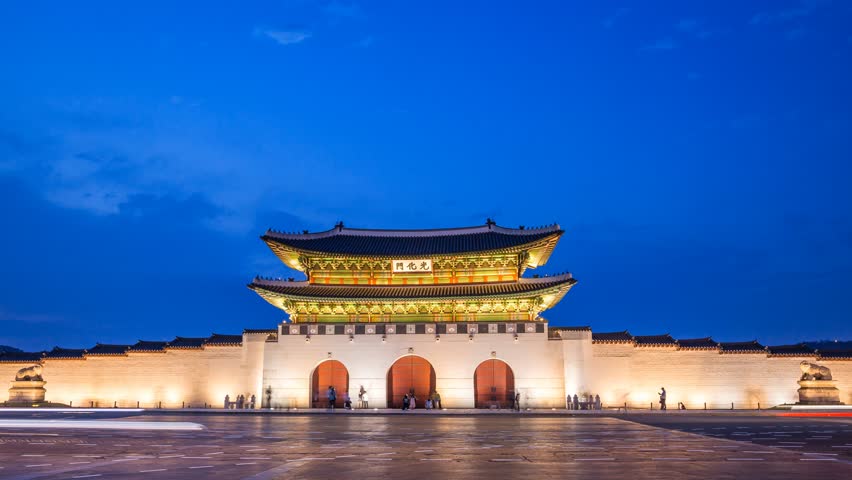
(329, 372)
(410, 374)
(494, 384)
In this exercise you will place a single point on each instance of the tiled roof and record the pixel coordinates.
(798, 350)
(186, 343)
(148, 346)
(835, 354)
(741, 347)
(653, 340)
(21, 357)
(308, 290)
(58, 352)
(706, 343)
(406, 243)
(573, 329)
(224, 340)
(260, 330)
(103, 349)
(556, 332)
(612, 337)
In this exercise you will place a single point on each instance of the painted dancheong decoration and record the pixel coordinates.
(447, 275)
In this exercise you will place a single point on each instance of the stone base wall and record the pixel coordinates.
(170, 379)
(622, 373)
(535, 362)
(545, 372)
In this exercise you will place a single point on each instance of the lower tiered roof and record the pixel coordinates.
(309, 291)
(529, 295)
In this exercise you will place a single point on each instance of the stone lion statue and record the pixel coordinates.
(29, 374)
(812, 371)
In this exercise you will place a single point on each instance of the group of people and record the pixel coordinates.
(409, 401)
(590, 402)
(240, 403)
(331, 397)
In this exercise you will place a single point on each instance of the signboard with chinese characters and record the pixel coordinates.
(422, 265)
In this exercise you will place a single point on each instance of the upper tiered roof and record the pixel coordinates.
(356, 242)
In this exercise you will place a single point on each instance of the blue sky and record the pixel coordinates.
(698, 158)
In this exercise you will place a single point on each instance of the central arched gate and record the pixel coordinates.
(410, 375)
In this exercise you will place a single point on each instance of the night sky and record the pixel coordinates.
(699, 159)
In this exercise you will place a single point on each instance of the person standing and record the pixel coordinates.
(436, 400)
(365, 400)
(361, 393)
(405, 402)
(662, 398)
(253, 400)
(227, 402)
(332, 397)
(412, 403)
(518, 402)
(576, 402)
(597, 402)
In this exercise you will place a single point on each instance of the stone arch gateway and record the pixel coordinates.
(410, 374)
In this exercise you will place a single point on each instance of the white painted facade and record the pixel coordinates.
(546, 370)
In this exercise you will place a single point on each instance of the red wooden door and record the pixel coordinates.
(329, 372)
(410, 374)
(494, 384)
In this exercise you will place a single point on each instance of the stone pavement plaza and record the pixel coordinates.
(420, 446)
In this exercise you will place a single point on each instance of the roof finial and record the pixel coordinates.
(490, 222)
(339, 226)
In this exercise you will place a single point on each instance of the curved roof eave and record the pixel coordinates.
(551, 286)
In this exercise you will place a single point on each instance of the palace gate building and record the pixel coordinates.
(459, 311)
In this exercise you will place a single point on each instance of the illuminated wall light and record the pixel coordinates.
(307, 339)
(384, 339)
(470, 338)
(437, 338)
(351, 338)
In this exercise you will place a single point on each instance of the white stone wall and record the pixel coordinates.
(536, 364)
(175, 378)
(545, 372)
(622, 373)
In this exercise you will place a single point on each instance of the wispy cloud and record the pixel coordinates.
(283, 37)
(154, 164)
(662, 44)
(784, 15)
(8, 316)
(691, 26)
(348, 10)
(610, 21)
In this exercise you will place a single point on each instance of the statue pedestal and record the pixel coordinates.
(818, 392)
(27, 392)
